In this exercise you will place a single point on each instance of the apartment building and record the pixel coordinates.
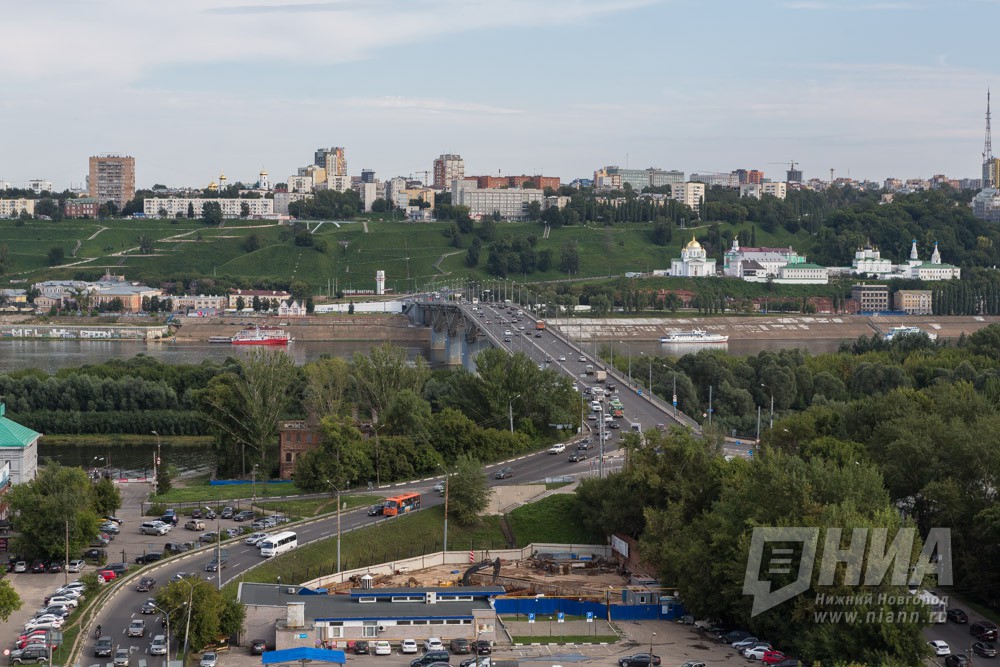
(690, 193)
(509, 203)
(447, 168)
(231, 208)
(12, 208)
(112, 178)
(913, 301)
(871, 298)
(84, 207)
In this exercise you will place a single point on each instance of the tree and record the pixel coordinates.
(4, 259)
(385, 371)
(190, 211)
(350, 308)
(107, 497)
(569, 257)
(327, 382)
(145, 244)
(534, 211)
(56, 255)
(241, 303)
(10, 601)
(244, 210)
(468, 490)
(472, 254)
(162, 479)
(43, 508)
(251, 243)
(342, 457)
(211, 213)
(243, 407)
(211, 613)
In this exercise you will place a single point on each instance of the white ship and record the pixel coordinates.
(696, 336)
(897, 332)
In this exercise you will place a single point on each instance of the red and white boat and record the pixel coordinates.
(262, 336)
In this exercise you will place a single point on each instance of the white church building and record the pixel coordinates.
(868, 260)
(693, 262)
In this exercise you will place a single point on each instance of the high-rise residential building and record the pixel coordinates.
(334, 162)
(508, 203)
(367, 175)
(447, 168)
(112, 178)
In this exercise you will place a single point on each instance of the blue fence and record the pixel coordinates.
(668, 610)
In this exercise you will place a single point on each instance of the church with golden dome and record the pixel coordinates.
(693, 262)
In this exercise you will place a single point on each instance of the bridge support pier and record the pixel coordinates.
(439, 339)
(454, 350)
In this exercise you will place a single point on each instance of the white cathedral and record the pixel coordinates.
(693, 262)
(868, 260)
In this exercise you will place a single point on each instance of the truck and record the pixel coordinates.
(590, 369)
(601, 376)
(540, 325)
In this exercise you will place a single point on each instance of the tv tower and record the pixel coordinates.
(988, 170)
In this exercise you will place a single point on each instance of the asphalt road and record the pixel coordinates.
(125, 606)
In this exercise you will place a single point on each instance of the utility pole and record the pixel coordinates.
(66, 564)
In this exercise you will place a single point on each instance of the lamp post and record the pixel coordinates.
(166, 615)
(94, 460)
(510, 411)
(156, 461)
(651, 637)
(337, 489)
(770, 426)
(447, 475)
(253, 485)
(629, 361)
(190, 603)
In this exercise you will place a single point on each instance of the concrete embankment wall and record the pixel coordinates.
(333, 327)
(766, 327)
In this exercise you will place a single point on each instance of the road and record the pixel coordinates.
(124, 607)
(548, 349)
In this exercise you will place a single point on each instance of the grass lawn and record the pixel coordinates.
(398, 538)
(552, 519)
(315, 506)
(211, 494)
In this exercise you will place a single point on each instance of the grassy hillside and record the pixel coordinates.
(407, 252)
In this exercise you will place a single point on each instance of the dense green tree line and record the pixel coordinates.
(140, 422)
(881, 433)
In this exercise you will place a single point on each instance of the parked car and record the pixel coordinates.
(735, 636)
(245, 515)
(170, 517)
(504, 473)
(105, 576)
(20, 566)
(158, 646)
(956, 615)
(103, 647)
(95, 555)
(195, 524)
(33, 653)
(957, 660)
(227, 512)
(38, 567)
(483, 647)
(460, 645)
(177, 547)
(433, 644)
(758, 652)
(205, 538)
(75, 565)
(110, 527)
(382, 647)
(430, 658)
(258, 646)
(153, 528)
(65, 600)
(149, 557)
(744, 643)
(639, 660)
(208, 513)
(361, 647)
(408, 646)
(209, 659)
(255, 539)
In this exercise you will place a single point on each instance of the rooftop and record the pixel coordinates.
(13, 434)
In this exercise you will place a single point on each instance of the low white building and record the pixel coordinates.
(509, 203)
(758, 190)
(771, 260)
(931, 271)
(18, 450)
(868, 259)
(200, 302)
(292, 308)
(231, 208)
(283, 199)
(12, 208)
(804, 273)
(693, 262)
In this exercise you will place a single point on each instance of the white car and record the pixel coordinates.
(939, 647)
(65, 600)
(439, 487)
(255, 539)
(433, 644)
(562, 357)
(756, 652)
(75, 566)
(159, 645)
(557, 448)
(48, 621)
(382, 647)
(408, 646)
(582, 359)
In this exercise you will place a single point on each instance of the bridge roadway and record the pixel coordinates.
(554, 350)
(125, 605)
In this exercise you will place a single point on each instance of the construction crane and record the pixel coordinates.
(426, 174)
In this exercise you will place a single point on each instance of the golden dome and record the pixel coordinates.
(693, 244)
(213, 186)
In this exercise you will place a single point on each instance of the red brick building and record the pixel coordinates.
(80, 208)
(295, 438)
(539, 181)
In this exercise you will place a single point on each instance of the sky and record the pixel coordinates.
(193, 88)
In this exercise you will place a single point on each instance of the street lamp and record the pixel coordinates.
(651, 637)
(447, 475)
(771, 417)
(166, 615)
(337, 489)
(510, 411)
(156, 462)
(629, 361)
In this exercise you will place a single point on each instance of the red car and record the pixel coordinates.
(37, 635)
(107, 575)
(772, 657)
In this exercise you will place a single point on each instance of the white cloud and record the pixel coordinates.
(819, 5)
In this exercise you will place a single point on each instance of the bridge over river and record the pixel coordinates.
(463, 330)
